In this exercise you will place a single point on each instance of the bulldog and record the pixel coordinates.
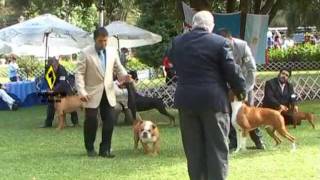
(148, 134)
(65, 105)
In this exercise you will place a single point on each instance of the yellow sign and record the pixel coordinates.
(51, 77)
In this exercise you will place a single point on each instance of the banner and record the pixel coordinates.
(230, 21)
(188, 15)
(256, 35)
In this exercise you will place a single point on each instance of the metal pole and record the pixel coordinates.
(101, 9)
(46, 55)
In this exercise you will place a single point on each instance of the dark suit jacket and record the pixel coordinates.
(273, 96)
(204, 64)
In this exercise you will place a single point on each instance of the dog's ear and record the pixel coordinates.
(137, 122)
(154, 126)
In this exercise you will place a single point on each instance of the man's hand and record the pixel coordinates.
(283, 108)
(125, 79)
(84, 98)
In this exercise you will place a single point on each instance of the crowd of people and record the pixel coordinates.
(279, 40)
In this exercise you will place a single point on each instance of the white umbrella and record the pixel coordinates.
(5, 48)
(38, 51)
(130, 36)
(46, 30)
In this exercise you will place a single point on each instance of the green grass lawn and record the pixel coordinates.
(29, 152)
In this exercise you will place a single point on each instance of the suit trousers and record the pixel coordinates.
(205, 142)
(50, 115)
(91, 125)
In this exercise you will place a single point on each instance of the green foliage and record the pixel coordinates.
(85, 18)
(305, 52)
(30, 65)
(69, 65)
(158, 17)
(136, 64)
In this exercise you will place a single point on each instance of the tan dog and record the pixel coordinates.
(66, 104)
(245, 119)
(299, 116)
(148, 134)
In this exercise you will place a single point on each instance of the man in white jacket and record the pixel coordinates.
(94, 81)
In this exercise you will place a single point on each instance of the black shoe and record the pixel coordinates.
(232, 147)
(76, 125)
(106, 154)
(92, 153)
(261, 146)
(14, 107)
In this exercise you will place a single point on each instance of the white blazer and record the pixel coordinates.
(90, 79)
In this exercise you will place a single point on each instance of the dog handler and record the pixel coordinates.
(94, 81)
(204, 64)
(243, 57)
(62, 87)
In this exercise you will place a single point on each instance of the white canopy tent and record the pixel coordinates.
(129, 36)
(46, 31)
(4, 48)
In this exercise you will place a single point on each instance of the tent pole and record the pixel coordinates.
(101, 9)
(46, 55)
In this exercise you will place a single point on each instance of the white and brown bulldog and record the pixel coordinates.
(65, 105)
(148, 134)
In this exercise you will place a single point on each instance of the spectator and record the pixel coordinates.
(168, 70)
(6, 98)
(13, 69)
(279, 94)
(124, 52)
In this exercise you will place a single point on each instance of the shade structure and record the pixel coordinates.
(46, 30)
(129, 36)
(5, 48)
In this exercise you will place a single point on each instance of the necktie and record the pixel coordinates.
(102, 60)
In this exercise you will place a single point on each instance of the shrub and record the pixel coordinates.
(30, 66)
(306, 52)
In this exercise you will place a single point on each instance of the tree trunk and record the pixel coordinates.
(276, 7)
(268, 6)
(230, 7)
(199, 5)
(244, 8)
(257, 6)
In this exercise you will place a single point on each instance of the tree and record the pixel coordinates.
(302, 14)
(158, 16)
